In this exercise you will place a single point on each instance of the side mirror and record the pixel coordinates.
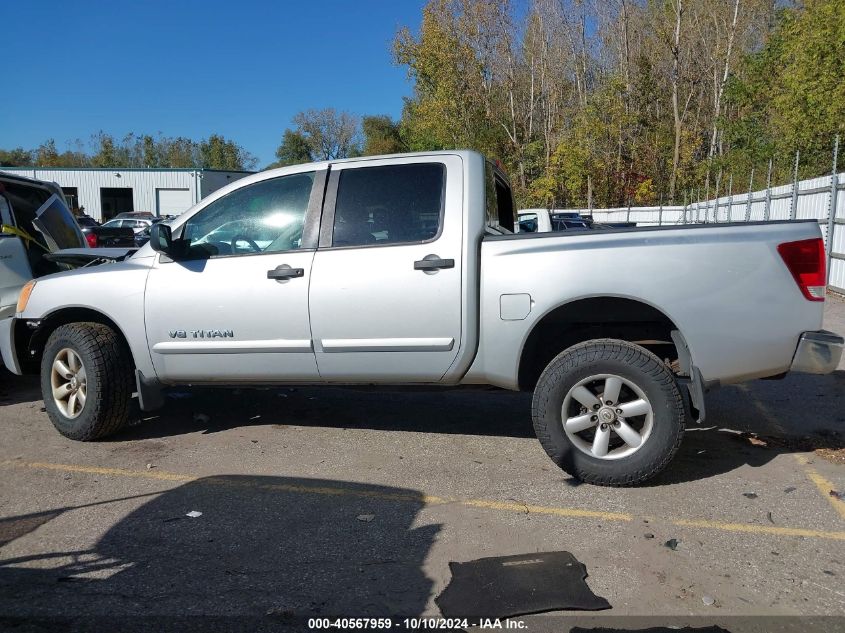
(161, 239)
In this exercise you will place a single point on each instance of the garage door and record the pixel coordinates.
(172, 201)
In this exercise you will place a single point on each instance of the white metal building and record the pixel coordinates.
(106, 192)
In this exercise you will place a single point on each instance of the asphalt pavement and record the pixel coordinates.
(322, 502)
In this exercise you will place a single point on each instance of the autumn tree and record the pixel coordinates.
(382, 135)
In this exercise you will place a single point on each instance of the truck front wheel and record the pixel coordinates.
(609, 412)
(86, 381)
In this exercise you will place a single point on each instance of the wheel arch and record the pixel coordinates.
(598, 316)
(31, 359)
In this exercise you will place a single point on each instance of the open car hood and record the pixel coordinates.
(78, 257)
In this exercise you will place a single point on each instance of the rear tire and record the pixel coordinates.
(87, 381)
(640, 432)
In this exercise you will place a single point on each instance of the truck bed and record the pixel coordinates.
(724, 286)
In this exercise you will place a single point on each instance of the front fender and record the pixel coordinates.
(114, 291)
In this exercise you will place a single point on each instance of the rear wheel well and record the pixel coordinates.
(30, 360)
(594, 318)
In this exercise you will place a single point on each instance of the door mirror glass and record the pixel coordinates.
(161, 239)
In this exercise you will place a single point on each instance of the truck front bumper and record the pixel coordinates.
(818, 352)
(7, 345)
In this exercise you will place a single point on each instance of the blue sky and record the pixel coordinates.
(195, 67)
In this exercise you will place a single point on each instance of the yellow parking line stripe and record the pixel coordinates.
(528, 508)
(431, 500)
(822, 484)
(96, 470)
(758, 529)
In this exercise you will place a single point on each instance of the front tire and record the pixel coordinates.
(87, 381)
(609, 412)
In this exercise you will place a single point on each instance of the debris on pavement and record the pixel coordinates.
(837, 495)
(366, 518)
(282, 613)
(150, 466)
(649, 535)
(194, 514)
(827, 444)
(708, 600)
(508, 586)
(790, 489)
(754, 440)
(672, 544)
(769, 517)
(750, 495)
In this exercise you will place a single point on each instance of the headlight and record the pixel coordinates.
(23, 298)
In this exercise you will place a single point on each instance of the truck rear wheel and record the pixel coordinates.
(86, 381)
(609, 412)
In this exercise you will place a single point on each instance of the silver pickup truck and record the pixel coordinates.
(405, 270)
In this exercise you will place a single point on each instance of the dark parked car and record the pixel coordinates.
(136, 215)
(88, 224)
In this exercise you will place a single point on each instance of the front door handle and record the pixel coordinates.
(285, 272)
(433, 262)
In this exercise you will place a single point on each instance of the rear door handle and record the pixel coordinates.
(432, 262)
(285, 272)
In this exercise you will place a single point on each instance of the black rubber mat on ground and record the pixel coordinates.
(508, 586)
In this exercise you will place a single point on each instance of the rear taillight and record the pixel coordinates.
(805, 260)
(92, 239)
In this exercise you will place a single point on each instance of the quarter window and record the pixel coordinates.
(265, 217)
(389, 205)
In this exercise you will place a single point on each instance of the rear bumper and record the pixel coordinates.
(7, 346)
(818, 352)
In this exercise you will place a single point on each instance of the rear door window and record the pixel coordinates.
(391, 204)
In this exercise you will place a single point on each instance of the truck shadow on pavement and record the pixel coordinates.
(18, 389)
(797, 414)
(752, 423)
(488, 411)
(275, 549)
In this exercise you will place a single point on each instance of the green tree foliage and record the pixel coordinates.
(103, 150)
(382, 135)
(328, 133)
(792, 95)
(626, 101)
(293, 150)
(18, 157)
(319, 135)
(451, 84)
(218, 153)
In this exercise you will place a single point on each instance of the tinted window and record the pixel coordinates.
(266, 217)
(563, 223)
(528, 224)
(499, 202)
(5, 211)
(389, 205)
